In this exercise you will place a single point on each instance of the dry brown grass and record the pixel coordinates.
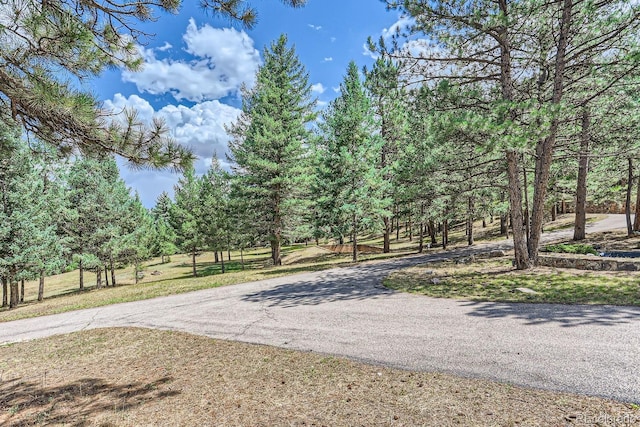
(137, 377)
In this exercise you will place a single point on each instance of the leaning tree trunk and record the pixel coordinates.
(579, 232)
(544, 150)
(627, 208)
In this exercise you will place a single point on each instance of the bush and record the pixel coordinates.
(566, 248)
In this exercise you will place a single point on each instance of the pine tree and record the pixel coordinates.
(27, 231)
(48, 41)
(268, 146)
(214, 217)
(164, 244)
(186, 216)
(350, 183)
(389, 103)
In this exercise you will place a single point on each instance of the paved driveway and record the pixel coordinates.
(345, 311)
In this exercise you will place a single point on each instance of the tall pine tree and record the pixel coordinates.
(268, 145)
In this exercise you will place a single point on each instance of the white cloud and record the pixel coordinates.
(165, 47)
(333, 39)
(318, 88)
(328, 59)
(368, 52)
(315, 27)
(401, 24)
(200, 127)
(322, 104)
(336, 89)
(222, 60)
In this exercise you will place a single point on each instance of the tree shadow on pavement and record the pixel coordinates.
(564, 315)
(76, 403)
(354, 283)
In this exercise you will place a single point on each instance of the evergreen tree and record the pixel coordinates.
(389, 103)
(268, 146)
(186, 216)
(164, 244)
(27, 231)
(350, 183)
(49, 40)
(215, 220)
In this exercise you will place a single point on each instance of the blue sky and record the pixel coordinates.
(196, 62)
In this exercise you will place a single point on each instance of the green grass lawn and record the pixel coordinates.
(498, 281)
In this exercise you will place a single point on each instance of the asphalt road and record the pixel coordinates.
(593, 350)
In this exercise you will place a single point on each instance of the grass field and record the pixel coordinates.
(497, 280)
(137, 377)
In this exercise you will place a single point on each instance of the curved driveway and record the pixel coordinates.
(592, 350)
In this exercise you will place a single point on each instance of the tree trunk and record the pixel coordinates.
(113, 271)
(422, 225)
(136, 270)
(41, 286)
(636, 221)
(242, 257)
(515, 200)
(581, 190)
(470, 221)
(397, 224)
(410, 226)
(554, 211)
(275, 251)
(627, 208)
(545, 147)
(22, 291)
(445, 232)
(81, 275)
(527, 221)
(432, 233)
(99, 277)
(217, 260)
(355, 237)
(221, 263)
(5, 291)
(386, 246)
(484, 223)
(193, 263)
(229, 253)
(563, 207)
(14, 296)
(106, 276)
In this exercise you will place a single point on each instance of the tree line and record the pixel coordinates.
(478, 108)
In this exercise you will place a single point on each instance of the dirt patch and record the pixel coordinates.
(137, 377)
